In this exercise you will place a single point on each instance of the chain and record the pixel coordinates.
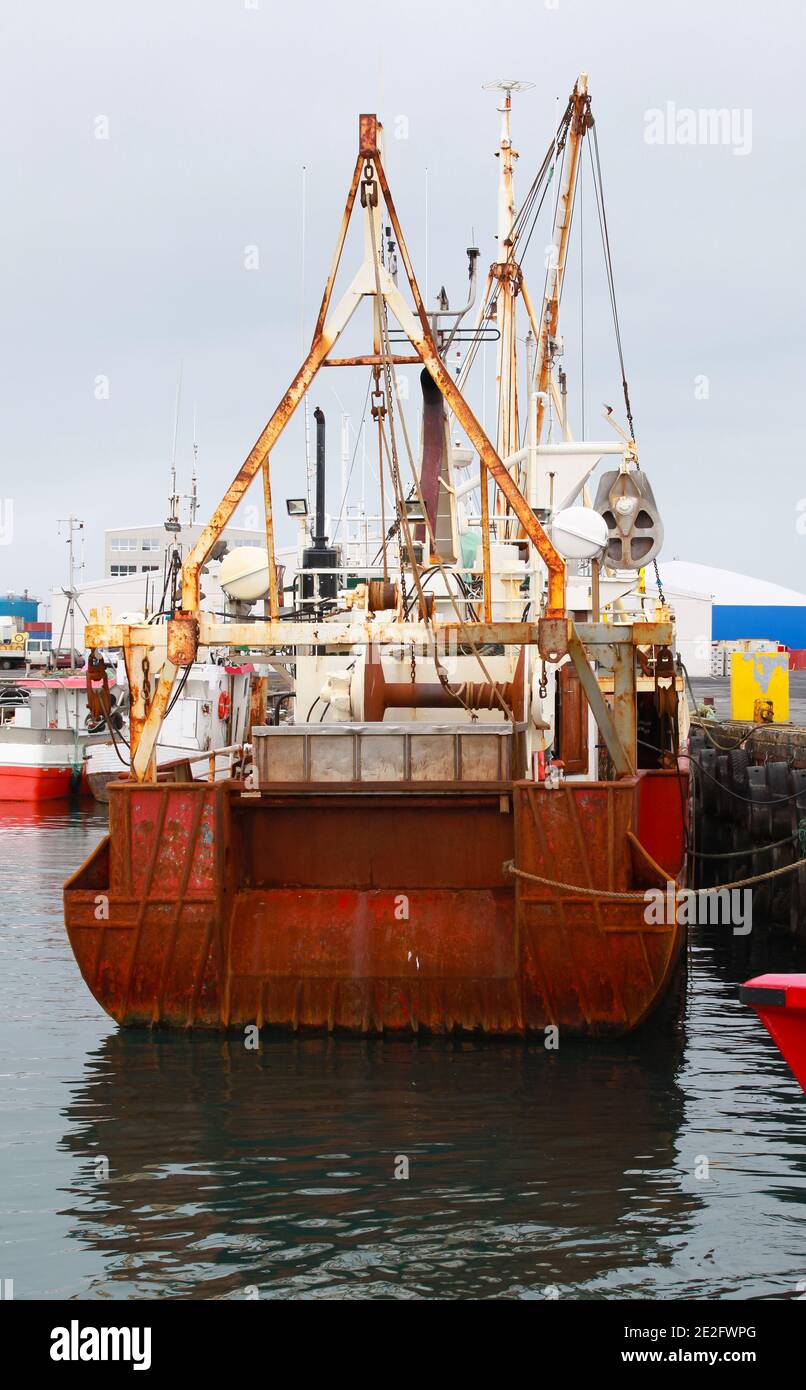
(378, 413)
(661, 594)
(146, 683)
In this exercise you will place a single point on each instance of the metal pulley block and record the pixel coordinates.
(635, 531)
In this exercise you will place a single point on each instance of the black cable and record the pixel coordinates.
(743, 853)
(771, 801)
(694, 762)
(688, 683)
(730, 747)
(183, 680)
(114, 734)
(427, 574)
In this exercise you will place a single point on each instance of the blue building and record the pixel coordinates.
(19, 606)
(743, 607)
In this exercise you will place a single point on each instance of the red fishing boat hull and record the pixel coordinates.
(780, 1002)
(35, 783)
(382, 911)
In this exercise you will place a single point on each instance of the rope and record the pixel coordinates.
(509, 868)
(576, 888)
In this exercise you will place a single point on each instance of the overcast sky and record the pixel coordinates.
(123, 256)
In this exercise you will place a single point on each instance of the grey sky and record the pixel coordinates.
(121, 256)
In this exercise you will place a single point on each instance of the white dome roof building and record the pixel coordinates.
(742, 607)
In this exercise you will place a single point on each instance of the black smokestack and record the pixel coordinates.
(319, 537)
(319, 588)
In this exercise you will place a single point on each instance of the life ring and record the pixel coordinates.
(224, 705)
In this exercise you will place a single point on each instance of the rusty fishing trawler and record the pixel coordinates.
(479, 772)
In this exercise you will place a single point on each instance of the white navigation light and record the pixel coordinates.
(244, 573)
(579, 533)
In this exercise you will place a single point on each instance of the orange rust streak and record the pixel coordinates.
(372, 359)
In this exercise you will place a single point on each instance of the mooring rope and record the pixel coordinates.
(578, 889)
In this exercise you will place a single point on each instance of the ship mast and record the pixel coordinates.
(546, 331)
(505, 269)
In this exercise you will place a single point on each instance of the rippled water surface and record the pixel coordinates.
(235, 1174)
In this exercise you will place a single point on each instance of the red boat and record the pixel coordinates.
(457, 826)
(381, 910)
(780, 1002)
(44, 736)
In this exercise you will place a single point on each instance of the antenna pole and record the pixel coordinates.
(174, 498)
(506, 270)
(73, 524)
(308, 463)
(194, 498)
(546, 330)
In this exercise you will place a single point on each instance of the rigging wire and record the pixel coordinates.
(582, 298)
(598, 189)
(528, 213)
(393, 396)
(352, 461)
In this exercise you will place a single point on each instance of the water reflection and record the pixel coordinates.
(529, 1172)
(229, 1169)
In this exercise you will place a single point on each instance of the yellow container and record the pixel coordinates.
(759, 676)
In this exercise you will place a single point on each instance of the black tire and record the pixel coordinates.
(778, 785)
(708, 786)
(758, 818)
(738, 763)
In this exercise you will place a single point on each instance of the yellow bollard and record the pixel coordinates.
(759, 678)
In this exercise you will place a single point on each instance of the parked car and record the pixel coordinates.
(63, 661)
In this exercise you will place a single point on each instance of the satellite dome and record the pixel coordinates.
(244, 573)
(579, 533)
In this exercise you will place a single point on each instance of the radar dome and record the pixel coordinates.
(579, 533)
(244, 573)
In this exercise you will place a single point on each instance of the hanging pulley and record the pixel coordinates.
(634, 529)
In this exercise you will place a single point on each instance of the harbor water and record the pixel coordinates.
(670, 1166)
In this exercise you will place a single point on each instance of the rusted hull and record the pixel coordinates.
(369, 912)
